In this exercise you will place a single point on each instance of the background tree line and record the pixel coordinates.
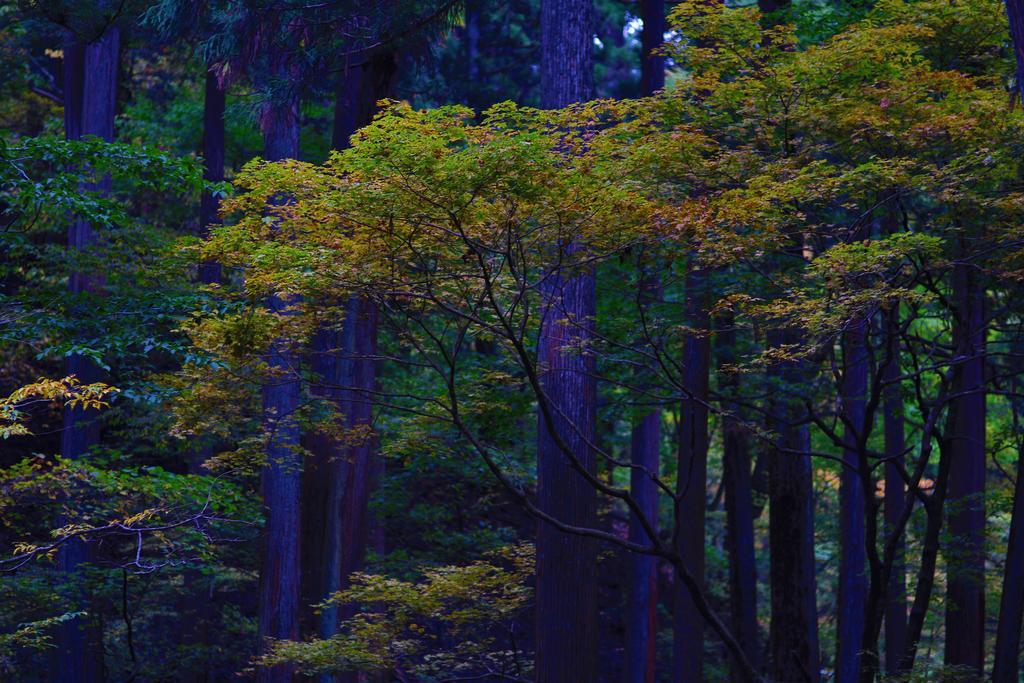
(557, 341)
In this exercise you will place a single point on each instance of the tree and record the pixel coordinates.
(566, 579)
(91, 67)
(645, 446)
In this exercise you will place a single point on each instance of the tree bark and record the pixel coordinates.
(90, 82)
(282, 473)
(652, 66)
(645, 451)
(642, 596)
(1006, 667)
(794, 621)
(739, 505)
(896, 498)
(566, 597)
(566, 44)
(346, 473)
(213, 166)
(853, 585)
(691, 486)
(965, 592)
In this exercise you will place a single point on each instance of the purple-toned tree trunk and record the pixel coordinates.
(566, 563)
(90, 103)
(895, 496)
(645, 450)
(344, 474)
(739, 505)
(652, 65)
(853, 583)
(691, 485)
(566, 596)
(213, 166)
(642, 607)
(1006, 666)
(793, 635)
(282, 473)
(965, 587)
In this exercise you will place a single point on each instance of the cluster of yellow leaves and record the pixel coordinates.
(67, 390)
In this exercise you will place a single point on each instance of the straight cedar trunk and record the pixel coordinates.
(213, 166)
(691, 486)
(566, 597)
(739, 504)
(90, 82)
(642, 611)
(965, 588)
(645, 448)
(342, 474)
(281, 475)
(793, 634)
(896, 497)
(853, 583)
(198, 604)
(1006, 666)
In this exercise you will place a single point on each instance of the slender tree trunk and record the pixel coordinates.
(1006, 667)
(965, 592)
(1015, 15)
(925, 579)
(642, 596)
(566, 573)
(213, 166)
(895, 496)
(90, 82)
(794, 621)
(642, 612)
(853, 585)
(652, 65)
(692, 478)
(348, 471)
(197, 604)
(739, 505)
(282, 473)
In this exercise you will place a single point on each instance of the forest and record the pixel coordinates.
(565, 341)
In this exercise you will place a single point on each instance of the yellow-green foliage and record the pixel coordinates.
(457, 613)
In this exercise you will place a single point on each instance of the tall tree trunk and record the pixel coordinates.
(692, 477)
(739, 504)
(282, 473)
(197, 605)
(794, 620)
(642, 612)
(965, 592)
(853, 585)
(895, 496)
(344, 473)
(90, 82)
(652, 65)
(1006, 667)
(645, 450)
(566, 573)
(213, 166)
(642, 596)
